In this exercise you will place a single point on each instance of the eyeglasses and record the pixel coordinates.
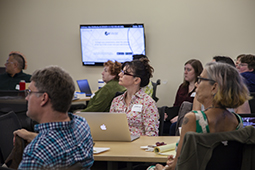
(242, 64)
(126, 73)
(28, 92)
(8, 62)
(199, 79)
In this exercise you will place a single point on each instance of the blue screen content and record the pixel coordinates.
(100, 43)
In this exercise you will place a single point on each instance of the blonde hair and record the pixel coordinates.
(232, 92)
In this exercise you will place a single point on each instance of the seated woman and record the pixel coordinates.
(141, 110)
(102, 99)
(186, 91)
(216, 91)
(242, 109)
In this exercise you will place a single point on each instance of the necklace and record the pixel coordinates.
(213, 107)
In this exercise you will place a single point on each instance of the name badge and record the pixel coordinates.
(137, 107)
(193, 94)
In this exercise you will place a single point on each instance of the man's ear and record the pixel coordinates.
(45, 99)
(251, 70)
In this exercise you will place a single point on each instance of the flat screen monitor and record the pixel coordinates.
(100, 43)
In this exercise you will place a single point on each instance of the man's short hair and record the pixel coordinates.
(20, 60)
(58, 84)
(250, 60)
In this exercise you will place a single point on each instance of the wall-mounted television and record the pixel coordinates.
(116, 42)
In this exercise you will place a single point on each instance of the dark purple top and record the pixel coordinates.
(183, 95)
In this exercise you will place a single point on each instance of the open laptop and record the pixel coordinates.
(248, 119)
(84, 87)
(106, 126)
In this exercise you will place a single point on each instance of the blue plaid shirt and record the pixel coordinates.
(60, 144)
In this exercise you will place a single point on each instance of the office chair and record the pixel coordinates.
(233, 150)
(8, 124)
(171, 112)
(13, 100)
(155, 89)
(184, 109)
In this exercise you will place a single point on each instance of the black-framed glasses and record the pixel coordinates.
(126, 73)
(28, 92)
(199, 79)
(242, 64)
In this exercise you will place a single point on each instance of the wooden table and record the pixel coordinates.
(82, 99)
(131, 151)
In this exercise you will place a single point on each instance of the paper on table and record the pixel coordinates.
(166, 149)
(99, 150)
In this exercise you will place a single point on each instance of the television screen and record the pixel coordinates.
(100, 43)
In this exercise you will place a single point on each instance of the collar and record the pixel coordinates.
(17, 74)
(44, 127)
(138, 94)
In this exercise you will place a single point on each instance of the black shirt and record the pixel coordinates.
(7, 82)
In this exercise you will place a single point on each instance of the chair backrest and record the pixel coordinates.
(185, 108)
(155, 89)
(8, 124)
(252, 102)
(161, 111)
(171, 112)
(13, 100)
(223, 150)
(226, 156)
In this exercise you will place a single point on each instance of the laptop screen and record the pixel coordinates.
(84, 87)
(248, 119)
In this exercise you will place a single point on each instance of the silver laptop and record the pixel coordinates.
(106, 126)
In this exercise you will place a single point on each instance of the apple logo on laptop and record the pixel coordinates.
(103, 127)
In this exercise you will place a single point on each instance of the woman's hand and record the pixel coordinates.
(159, 167)
(165, 116)
(174, 119)
(169, 163)
(170, 160)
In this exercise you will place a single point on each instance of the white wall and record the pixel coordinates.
(47, 32)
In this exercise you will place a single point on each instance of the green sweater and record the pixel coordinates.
(101, 102)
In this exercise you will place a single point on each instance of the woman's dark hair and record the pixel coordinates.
(140, 68)
(198, 68)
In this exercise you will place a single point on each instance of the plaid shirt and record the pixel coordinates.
(60, 144)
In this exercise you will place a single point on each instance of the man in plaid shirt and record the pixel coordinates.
(63, 139)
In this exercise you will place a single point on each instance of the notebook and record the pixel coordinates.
(106, 126)
(84, 87)
(248, 119)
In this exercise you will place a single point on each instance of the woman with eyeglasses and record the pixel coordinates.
(247, 70)
(141, 110)
(219, 87)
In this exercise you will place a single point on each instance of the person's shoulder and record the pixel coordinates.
(3, 74)
(191, 115)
